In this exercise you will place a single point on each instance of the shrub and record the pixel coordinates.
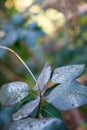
(67, 94)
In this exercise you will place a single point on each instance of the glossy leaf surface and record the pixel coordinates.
(68, 96)
(36, 124)
(43, 77)
(67, 73)
(26, 110)
(13, 92)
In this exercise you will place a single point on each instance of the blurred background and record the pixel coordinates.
(40, 31)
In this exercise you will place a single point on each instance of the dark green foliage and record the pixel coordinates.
(47, 110)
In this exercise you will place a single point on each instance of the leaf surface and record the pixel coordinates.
(36, 124)
(68, 96)
(48, 110)
(26, 110)
(13, 92)
(67, 73)
(43, 77)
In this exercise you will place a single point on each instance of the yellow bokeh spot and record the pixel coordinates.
(45, 23)
(9, 4)
(21, 5)
(50, 20)
(35, 9)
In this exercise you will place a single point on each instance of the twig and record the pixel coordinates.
(6, 48)
(39, 106)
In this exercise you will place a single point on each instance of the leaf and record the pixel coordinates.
(67, 73)
(47, 110)
(48, 91)
(68, 96)
(18, 19)
(12, 93)
(26, 110)
(13, 36)
(6, 115)
(36, 124)
(43, 77)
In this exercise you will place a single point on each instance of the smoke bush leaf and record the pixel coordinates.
(36, 124)
(67, 73)
(43, 77)
(13, 92)
(68, 96)
(26, 110)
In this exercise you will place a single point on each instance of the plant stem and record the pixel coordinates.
(39, 106)
(6, 48)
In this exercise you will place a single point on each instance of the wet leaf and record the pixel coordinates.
(36, 124)
(26, 110)
(68, 96)
(12, 93)
(43, 77)
(67, 73)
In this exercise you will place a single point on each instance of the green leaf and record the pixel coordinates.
(13, 92)
(67, 73)
(36, 124)
(68, 95)
(47, 110)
